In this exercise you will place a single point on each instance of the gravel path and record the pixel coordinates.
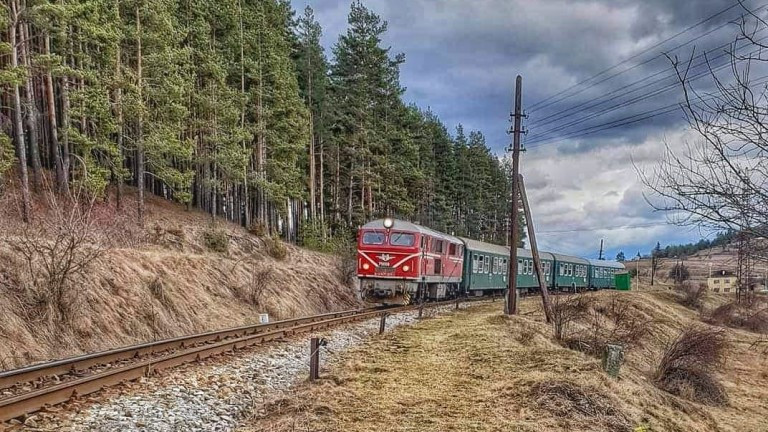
(214, 395)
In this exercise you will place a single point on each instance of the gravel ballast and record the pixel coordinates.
(215, 395)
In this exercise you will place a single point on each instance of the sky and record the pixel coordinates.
(461, 61)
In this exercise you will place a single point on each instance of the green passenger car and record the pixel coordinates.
(570, 273)
(602, 273)
(485, 268)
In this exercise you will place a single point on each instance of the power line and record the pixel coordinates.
(595, 102)
(548, 101)
(573, 230)
(540, 138)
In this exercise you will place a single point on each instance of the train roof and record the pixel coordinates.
(401, 225)
(570, 258)
(484, 247)
(610, 264)
(500, 250)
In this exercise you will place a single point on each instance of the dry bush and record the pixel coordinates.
(593, 324)
(689, 363)
(692, 295)
(275, 248)
(58, 246)
(216, 240)
(346, 263)
(254, 290)
(569, 400)
(566, 310)
(173, 237)
(258, 229)
(752, 316)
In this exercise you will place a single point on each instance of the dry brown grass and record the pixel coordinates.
(481, 371)
(163, 281)
(584, 404)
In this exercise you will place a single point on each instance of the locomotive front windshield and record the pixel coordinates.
(373, 238)
(401, 239)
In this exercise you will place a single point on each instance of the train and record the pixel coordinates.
(400, 262)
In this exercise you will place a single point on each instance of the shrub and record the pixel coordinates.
(679, 273)
(253, 291)
(749, 316)
(692, 295)
(57, 248)
(688, 365)
(216, 240)
(258, 229)
(276, 248)
(569, 400)
(346, 264)
(566, 310)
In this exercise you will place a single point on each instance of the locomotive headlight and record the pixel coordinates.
(389, 223)
(366, 266)
(406, 268)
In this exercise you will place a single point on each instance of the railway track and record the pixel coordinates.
(30, 389)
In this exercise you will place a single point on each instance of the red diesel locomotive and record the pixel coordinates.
(399, 262)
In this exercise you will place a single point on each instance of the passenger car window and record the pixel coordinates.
(487, 264)
(373, 238)
(402, 239)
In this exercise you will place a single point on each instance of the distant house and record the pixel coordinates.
(723, 281)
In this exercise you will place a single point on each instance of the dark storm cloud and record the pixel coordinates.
(462, 58)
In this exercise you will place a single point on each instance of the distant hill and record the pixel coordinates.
(699, 263)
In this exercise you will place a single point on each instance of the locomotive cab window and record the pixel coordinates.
(437, 246)
(373, 238)
(452, 249)
(402, 239)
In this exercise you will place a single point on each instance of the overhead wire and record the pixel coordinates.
(549, 100)
(595, 102)
(541, 137)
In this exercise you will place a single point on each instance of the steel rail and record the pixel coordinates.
(30, 373)
(216, 342)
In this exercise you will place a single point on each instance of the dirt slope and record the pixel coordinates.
(477, 370)
(160, 281)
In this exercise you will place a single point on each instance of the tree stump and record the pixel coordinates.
(613, 356)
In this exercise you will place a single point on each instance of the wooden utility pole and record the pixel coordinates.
(511, 304)
(535, 251)
(600, 256)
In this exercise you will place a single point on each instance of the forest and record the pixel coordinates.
(233, 107)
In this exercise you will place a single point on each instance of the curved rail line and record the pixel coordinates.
(146, 358)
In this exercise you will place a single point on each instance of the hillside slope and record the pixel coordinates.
(478, 370)
(157, 282)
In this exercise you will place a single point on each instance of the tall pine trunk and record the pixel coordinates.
(119, 114)
(31, 107)
(18, 125)
(62, 180)
(139, 122)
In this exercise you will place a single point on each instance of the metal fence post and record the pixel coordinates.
(383, 323)
(421, 309)
(314, 359)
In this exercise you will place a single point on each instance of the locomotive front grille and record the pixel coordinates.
(385, 270)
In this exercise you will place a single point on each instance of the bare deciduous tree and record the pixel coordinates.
(720, 181)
